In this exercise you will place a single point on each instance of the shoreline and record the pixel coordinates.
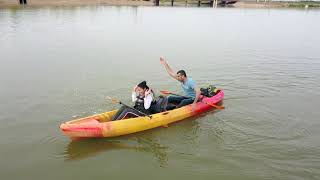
(71, 3)
(75, 3)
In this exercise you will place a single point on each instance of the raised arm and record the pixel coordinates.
(134, 94)
(148, 99)
(168, 69)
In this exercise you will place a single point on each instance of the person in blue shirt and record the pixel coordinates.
(188, 85)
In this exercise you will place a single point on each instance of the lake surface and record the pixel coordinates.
(58, 64)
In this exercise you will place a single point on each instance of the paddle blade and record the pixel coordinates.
(165, 92)
(216, 106)
(113, 100)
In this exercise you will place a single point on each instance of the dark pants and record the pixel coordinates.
(180, 101)
(126, 112)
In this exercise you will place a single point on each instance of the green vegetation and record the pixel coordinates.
(304, 4)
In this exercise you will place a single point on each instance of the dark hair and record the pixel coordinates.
(143, 85)
(182, 72)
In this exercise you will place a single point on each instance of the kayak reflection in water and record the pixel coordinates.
(143, 97)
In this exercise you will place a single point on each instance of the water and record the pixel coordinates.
(60, 63)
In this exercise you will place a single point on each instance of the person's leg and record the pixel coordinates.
(129, 113)
(115, 117)
(185, 102)
(173, 100)
(170, 107)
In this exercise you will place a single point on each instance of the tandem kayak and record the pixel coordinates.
(100, 125)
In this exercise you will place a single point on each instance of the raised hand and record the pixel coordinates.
(135, 88)
(162, 61)
(147, 92)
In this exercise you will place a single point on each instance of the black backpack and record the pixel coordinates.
(209, 91)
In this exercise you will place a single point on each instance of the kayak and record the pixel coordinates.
(100, 125)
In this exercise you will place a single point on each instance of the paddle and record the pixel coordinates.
(114, 100)
(213, 105)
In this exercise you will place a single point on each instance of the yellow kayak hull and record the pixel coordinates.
(100, 125)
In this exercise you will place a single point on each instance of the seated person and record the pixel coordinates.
(188, 85)
(143, 97)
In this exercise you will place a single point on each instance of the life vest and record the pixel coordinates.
(139, 105)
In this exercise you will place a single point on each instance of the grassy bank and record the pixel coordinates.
(304, 4)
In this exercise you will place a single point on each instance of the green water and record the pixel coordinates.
(60, 63)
